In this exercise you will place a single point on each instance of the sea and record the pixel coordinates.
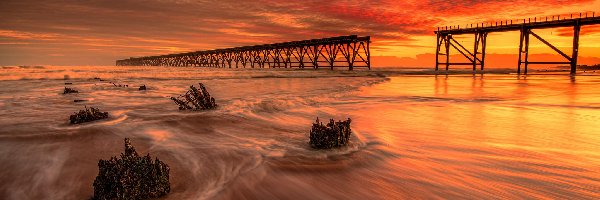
(416, 134)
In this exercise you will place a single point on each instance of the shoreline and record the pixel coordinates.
(199, 73)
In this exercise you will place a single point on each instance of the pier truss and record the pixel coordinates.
(336, 52)
(476, 55)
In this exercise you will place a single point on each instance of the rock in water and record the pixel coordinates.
(195, 99)
(87, 115)
(131, 177)
(143, 87)
(334, 134)
(69, 90)
(118, 85)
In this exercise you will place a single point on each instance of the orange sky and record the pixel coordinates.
(97, 32)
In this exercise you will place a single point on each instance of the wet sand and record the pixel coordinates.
(414, 136)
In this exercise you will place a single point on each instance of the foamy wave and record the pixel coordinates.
(269, 105)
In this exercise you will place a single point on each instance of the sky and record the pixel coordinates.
(98, 32)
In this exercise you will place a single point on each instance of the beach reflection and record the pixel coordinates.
(494, 136)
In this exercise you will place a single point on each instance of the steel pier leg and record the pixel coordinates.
(576, 30)
(520, 50)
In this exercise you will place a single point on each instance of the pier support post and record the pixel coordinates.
(368, 50)
(521, 50)
(479, 44)
(447, 43)
(437, 51)
(527, 31)
(576, 30)
(316, 56)
(483, 46)
(475, 48)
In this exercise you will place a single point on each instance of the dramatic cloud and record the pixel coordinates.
(97, 32)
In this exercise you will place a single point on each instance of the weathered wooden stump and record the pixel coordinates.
(69, 90)
(131, 177)
(334, 134)
(87, 115)
(195, 99)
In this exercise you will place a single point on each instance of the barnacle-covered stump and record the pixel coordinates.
(195, 99)
(334, 134)
(131, 177)
(69, 90)
(87, 115)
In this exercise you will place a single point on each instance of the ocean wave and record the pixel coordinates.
(268, 105)
(358, 152)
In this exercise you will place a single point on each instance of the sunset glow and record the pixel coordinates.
(97, 32)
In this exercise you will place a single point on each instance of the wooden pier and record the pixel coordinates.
(480, 31)
(336, 52)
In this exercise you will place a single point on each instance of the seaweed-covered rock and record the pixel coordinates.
(195, 99)
(69, 90)
(131, 177)
(87, 115)
(334, 134)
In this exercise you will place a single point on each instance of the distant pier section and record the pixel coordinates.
(336, 52)
(476, 55)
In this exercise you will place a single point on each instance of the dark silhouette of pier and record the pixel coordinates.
(476, 57)
(344, 51)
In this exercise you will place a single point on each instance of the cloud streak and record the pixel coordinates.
(118, 29)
